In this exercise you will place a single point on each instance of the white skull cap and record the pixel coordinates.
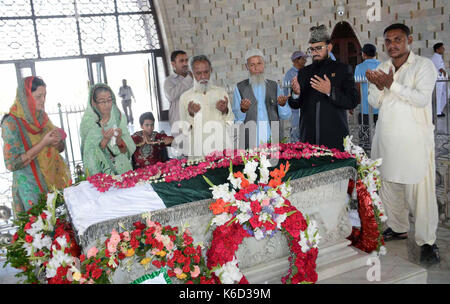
(253, 52)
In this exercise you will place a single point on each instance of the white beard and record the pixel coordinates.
(257, 79)
(202, 87)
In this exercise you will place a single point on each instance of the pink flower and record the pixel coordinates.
(115, 237)
(178, 271)
(195, 272)
(150, 223)
(112, 247)
(126, 236)
(265, 202)
(92, 252)
(169, 246)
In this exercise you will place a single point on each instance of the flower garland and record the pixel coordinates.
(44, 242)
(258, 210)
(370, 209)
(59, 260)
(183, 169)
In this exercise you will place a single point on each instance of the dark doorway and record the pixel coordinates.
(346, 47)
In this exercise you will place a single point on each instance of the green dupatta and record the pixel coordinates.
(110, 160)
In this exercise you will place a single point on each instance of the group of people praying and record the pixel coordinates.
(204, 119)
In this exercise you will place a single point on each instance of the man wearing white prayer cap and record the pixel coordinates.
(259, 102)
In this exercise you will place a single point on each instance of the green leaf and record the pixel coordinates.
(208, 181)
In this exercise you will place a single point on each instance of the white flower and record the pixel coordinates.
(280, 219)
(312, 240)
(382, 250)
(222, 191)
(243, 217)
(50, 198)
(258, 196)
(28, 248)
(243, 206)
(50, 270)
(39, 242)
(264, 217)
(61, 241)
(249, 171)
(229, 273)
(221, 219)
(259, 235)
(263, 169)
(236, 182)
(285, 190)
(279, 201)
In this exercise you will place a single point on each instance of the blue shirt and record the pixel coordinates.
(360, 72)
(332, 57)
(263, 124)
(288, 78)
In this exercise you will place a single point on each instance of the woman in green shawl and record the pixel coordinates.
(106, 144)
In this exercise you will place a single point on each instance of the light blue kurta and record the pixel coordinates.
(263, 123)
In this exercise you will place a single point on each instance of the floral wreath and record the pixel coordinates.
(259, 210)
(369, 237)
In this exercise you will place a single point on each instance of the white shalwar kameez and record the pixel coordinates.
(441, 95)
(404, 139)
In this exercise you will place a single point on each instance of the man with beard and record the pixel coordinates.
(205, 111)
(402, 89)
(259, 103)
(324, 91)
(176, 84)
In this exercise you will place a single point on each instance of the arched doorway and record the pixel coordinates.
(346, 47)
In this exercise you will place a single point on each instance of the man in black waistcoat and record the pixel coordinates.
(324, 91)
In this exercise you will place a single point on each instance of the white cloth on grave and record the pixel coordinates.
(87, 206)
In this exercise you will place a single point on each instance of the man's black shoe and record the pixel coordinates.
(441, 115)
(390, 235)
(429, 254)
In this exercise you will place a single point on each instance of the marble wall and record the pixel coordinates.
(225, 29)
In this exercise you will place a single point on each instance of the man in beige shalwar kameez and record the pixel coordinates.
(402, 89)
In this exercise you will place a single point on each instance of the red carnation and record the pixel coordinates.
(256, 207)
(97, 273)
(196, 259)
(28, 238)
(186, 268)
(269, 225)
(27, 226)
(170, 273)
(44, 215)
(157, 263)
(232, 209)
(134, 243)
(255, 222)
(171, 263)
(121, 256)
(139, 225)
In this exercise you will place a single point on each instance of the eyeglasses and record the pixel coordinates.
(316, 49)
(104, 101)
